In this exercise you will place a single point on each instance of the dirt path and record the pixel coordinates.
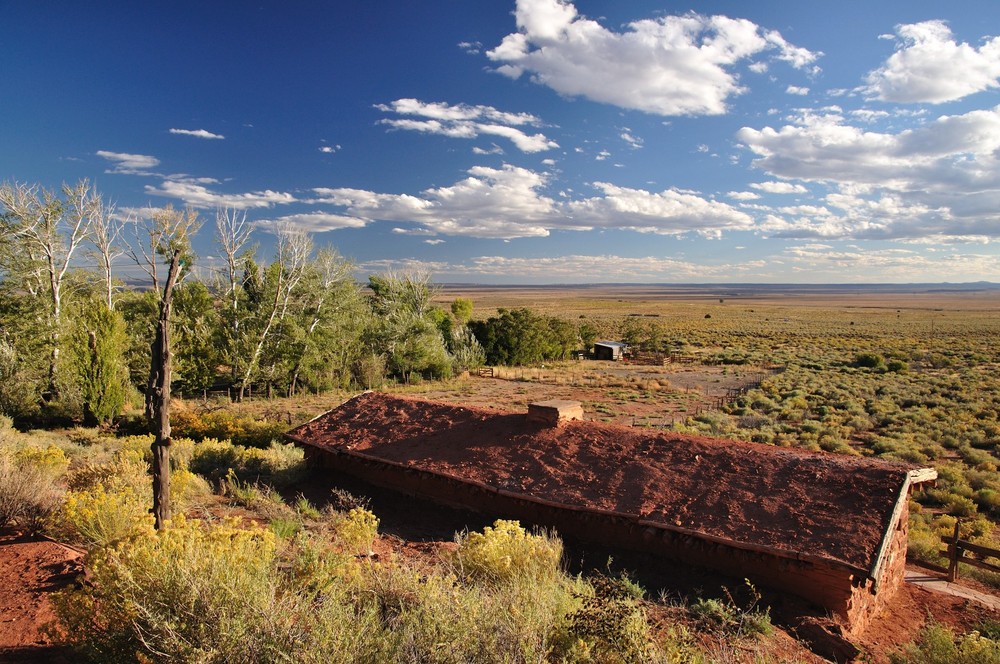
(930, 581)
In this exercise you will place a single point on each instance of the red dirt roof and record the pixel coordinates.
(830, 506)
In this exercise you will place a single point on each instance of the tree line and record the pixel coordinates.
(75, 336)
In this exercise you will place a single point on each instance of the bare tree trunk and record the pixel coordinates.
(158, 399)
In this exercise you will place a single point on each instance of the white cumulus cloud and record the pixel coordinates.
(672, 65)
(466, 121)
(199, 196)
(941, 178)
(508, 203)
(930, 66)
(779, 187)
(314, 222)
(198, 133)
(129, 164)
(670, 212)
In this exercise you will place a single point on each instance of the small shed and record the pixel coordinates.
(829, 528)
(609, 350)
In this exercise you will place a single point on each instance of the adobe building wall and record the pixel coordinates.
(869, 597)
(844, 592)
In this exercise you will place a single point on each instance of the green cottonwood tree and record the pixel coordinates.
(405, 326)
(42, 231)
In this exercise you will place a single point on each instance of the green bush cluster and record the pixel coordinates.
(223, 424)
(279, 464)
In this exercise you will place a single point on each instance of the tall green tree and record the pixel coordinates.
(269, 299)
(196, 321)
(405, 326)
(330, 314)
(98, 355)
(521, 336)
(42, 231)
(461, 309)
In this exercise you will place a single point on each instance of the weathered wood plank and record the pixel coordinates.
(978, 548)
(980, 564)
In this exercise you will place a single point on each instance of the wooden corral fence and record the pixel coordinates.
(659, 359)
(957, 550)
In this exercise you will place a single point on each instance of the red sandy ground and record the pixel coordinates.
(761, 495)
(31, 569)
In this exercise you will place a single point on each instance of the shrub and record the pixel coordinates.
(100, 516)
(869, 361)
(357, 531)
(306, 509)
(344, 500)
(28, 492)
(939, 645)
(612, 624)
(240, 429)
(731, 618)
(185, 593)
(50, 460)
(897, 366)
(506, 552)
(106, 501)
(254, 495)
(279, 464)
(285, 528)
(434, 617)
(187, 489)
(126, 470)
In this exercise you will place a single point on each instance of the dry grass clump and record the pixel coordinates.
(29, 491)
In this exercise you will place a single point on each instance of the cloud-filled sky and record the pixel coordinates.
(536, 141)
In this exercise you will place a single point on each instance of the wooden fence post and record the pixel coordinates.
(953, 554)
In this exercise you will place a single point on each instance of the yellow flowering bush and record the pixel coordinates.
(506, 553)
(240, 428)
(214, 459)
(100, 515)
(190, 592)
(126, 470)
(357, 531)
(50, 460)
(186, 488)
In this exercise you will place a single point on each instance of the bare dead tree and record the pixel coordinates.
(233, 231)
(142, 247)
(107, 231)
(173, 230)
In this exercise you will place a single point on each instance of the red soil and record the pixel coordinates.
(831, 506)
(31, 569)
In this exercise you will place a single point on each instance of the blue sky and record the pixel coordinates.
(535, 141)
